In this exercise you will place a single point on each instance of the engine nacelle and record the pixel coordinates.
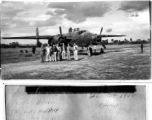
(62, 40)
(57, 40)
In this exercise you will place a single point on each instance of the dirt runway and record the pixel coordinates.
(117, 63)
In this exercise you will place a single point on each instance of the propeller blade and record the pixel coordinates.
(60, 30)
(102, 43)
(101, 31)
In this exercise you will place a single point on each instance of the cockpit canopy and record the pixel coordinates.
(77, 30)
(82, 31)
(73, 30)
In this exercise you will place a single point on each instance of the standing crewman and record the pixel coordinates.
(89, 50)
(58, 52)
(42, 53)
(51, 54)
(141, 47)
(63, 52)
(47, 53)
(33, 50)
(68, 52)
(75, 47)
(54, 53)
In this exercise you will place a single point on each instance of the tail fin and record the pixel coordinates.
(37, 37)
(37, 32)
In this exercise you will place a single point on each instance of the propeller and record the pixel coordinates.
(101, 31)
(52, 41)
(60, 29)
(99, 37)
(62, 39)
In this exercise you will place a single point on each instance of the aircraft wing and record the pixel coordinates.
(111, 35)
(29, 37)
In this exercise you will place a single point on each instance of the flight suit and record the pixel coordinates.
(47, 53)
(33, 50)
(88, 52)
(42, 53)
(75, 52)
(58, 53)
(63, 53)
(68, 53)
(51, 54)
(54, 53)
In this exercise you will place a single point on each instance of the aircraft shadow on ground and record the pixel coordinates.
(93, 54)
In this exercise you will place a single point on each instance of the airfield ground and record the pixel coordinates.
(119, 62)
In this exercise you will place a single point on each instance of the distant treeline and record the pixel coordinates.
(16, 45)
(125, 41)
(12, 46)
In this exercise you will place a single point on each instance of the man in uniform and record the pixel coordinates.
(58, 52)
(63, 52)
(68, 52)
(33, 50)
(47, 53)
(42, 53)
(75, 47)
(51, 54)
(54, 53)
(141, 47)
(89, 50)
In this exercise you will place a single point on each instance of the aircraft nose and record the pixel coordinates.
(93, 36)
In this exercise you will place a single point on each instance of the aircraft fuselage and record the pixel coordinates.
(81, 38)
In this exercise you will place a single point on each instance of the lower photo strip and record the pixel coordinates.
(105, 102)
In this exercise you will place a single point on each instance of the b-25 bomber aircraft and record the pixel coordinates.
(82, 38)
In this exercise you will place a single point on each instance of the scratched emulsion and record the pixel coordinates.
(86, 106)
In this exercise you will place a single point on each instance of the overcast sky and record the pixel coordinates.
(130, 18)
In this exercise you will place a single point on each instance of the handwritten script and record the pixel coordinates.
(109, 95)
(23, 106)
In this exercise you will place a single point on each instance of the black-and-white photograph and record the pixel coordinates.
(75, 102)
(102, 40)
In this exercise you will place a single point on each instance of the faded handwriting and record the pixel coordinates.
(48, 110)
(108, 105)
(36, 118)
(122, 95)
(34, 111)
(43, 102)
(94, 96)
(127, 95)
(37, 102)
(17, 111)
